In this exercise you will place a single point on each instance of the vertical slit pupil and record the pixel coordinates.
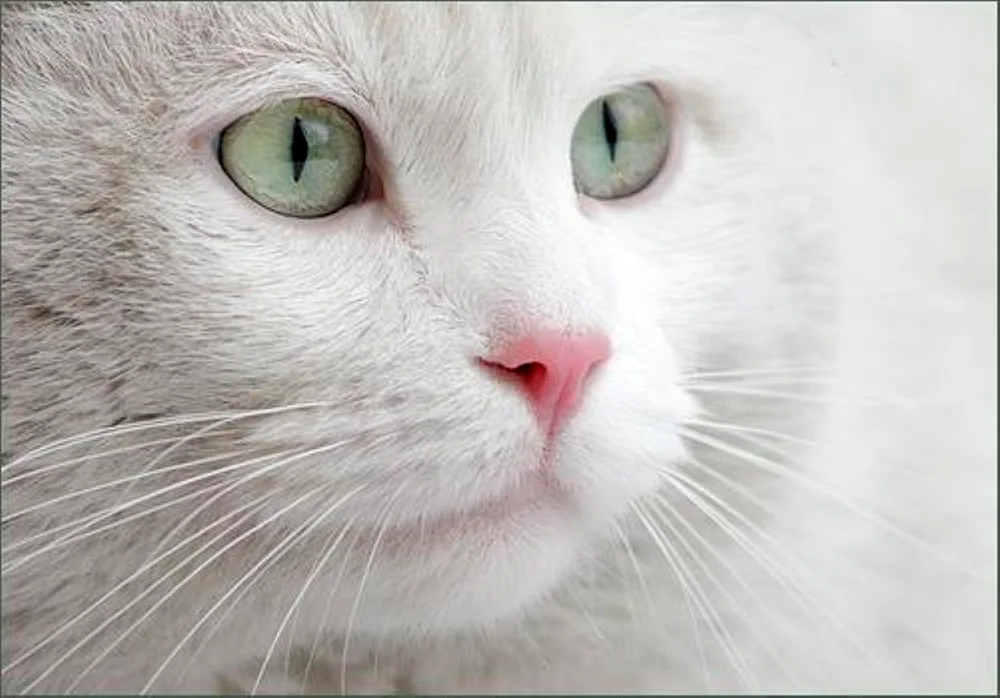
(610, 129)
(300, 149)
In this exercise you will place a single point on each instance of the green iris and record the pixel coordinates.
(303, 157)
(620, 143)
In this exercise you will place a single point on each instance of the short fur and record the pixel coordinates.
(321, 375)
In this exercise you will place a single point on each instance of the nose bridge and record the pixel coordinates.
(512, 271)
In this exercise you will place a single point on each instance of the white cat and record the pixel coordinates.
(499, 348)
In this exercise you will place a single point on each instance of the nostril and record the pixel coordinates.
(528, 376)
(529, 370)
(533, 377)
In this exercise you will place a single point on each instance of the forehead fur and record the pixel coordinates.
(482, 87)
(377, 58)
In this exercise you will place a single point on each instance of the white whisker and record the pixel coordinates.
(587, 615)
(663, 510)
(753, 372)
(93, 518)
(778, 469)
(326, 610)
(162, 456)
(629, 550)
(177, 587)
(688, 603)
(106, 432)
(75, 538)
(36, 472)
(331, 547)
(661, 513)
(90, 519)
(793, 397)
(698, 596)
(232, 605)
(795, 591)
(361, 589)
(703, 498)
(722, 426)
(135, 575)
(123, 480)
(721, 558)
(301, 532)
(146, 425)
(297, 457)
(107, 621)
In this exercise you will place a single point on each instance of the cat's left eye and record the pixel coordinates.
(302, 157)
(620, 143)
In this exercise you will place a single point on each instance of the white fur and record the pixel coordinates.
(830, 203)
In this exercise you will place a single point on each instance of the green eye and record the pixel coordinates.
(620, 143)
(303, 157)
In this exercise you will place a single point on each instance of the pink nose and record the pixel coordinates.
(552, 369)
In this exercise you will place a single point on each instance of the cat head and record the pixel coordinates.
(472, 366)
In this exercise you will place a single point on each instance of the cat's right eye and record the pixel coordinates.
(302, 157)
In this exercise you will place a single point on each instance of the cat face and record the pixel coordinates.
(366, 342)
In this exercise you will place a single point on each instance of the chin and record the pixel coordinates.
(475, 579)
(490, 564)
